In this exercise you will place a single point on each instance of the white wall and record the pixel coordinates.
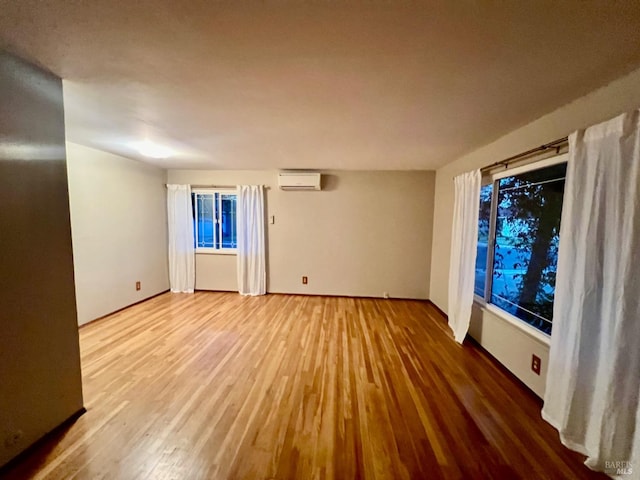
(364, 234)
(119, 229)
(497, 336)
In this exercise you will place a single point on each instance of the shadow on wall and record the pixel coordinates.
(475, 325)
(329, 182)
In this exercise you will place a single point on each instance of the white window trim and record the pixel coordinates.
(483, 302)
(216, 251)
(547, 162)
(520, 324)
(212, 250)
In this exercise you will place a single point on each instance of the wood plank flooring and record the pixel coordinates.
(220, 386)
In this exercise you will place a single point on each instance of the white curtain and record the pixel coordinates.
(593, 380)
(251, 242)
(464, 244)
(182, 275)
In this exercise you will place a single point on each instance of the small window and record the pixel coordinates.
(518, 239)
(214, 221)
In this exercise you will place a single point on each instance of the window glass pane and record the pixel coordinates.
(193, 216)
(205, 237)
(216, 219)
(526, 247)
(484, 222)
(227, 218)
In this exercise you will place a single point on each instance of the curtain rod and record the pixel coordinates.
(228, 187)
(555, 145)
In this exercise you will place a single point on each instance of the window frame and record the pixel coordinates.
(485, 301)
(218, 224)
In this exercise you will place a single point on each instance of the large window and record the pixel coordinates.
(214, 221)
(518, 237)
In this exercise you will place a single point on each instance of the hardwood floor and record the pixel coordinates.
(216, 385)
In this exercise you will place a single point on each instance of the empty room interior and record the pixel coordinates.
(319, 240)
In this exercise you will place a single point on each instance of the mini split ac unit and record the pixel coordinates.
(299, 180)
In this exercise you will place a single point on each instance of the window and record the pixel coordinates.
(484, 221)
(518, 238)
(214, 221)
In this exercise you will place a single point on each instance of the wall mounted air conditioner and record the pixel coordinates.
(299, 180)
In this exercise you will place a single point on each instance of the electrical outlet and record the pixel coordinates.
(138, 286)
(304, 280)
(535, 364)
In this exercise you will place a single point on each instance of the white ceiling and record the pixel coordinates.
(317, 84)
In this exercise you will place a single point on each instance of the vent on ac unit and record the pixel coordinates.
(299, 180)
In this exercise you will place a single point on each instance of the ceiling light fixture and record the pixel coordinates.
(153, 150)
